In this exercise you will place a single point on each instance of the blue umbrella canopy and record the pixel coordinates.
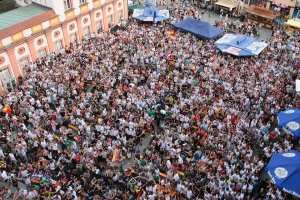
(147, 14)
(148, 4)
(240, 45)
(284, 171)
(289, 120)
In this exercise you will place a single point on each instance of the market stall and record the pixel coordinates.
(262, 16)
(292, 25)
(227, 6)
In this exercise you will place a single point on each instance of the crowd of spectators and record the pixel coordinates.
(79, 115)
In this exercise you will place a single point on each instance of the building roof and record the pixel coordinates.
(262, 12)
(24, 17)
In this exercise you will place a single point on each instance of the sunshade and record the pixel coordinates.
(289, 120)
(240, 45)
(284, 171)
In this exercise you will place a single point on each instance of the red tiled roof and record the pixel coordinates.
(9, 31)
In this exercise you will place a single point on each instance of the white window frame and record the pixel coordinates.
(5, 75)
(42, 53)
(86, 30)
(98, 25)
(110, 19)
(73, 38)
(58, 45)
(24, 62)
(120, 15)
(68, 4)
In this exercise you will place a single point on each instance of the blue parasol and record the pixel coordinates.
(289, 120)
(147, 14)
(284, 171)
(148, 4)
(240, 45)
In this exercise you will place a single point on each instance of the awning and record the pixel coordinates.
(227, 5)
(292, 23)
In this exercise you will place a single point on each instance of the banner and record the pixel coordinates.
(164, 13)
(226, 39)
(256, 47)
(137, 12)
(232, 50)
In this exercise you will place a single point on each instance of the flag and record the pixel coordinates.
(57, 185)
(64, 181)
(129, 172)
(139, 193)
(171, 34)
(116, 155)
(44, 180)
(36, 181)
(7, 110)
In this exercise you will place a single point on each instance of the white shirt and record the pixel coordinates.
(189, 194)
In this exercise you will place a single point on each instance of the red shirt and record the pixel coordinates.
(233, 120)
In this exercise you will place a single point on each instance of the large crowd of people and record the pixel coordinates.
(79, 115)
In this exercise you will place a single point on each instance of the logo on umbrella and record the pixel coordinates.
(289, 111)
(289, 155)
(293, 126)
(281, 172)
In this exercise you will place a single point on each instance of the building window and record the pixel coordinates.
(24, 62)
(82, 1)
(98, 25)
(58, 46)
(86, 31)
(68, 4)
(5, 74)
(110, 21)
(42, 53)
(73, 38)
(120, 15)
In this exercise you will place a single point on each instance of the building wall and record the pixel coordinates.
(290, 3)
(31, 43)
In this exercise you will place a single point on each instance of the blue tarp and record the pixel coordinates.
(199, 28)
(284, 171)
(247, 46)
